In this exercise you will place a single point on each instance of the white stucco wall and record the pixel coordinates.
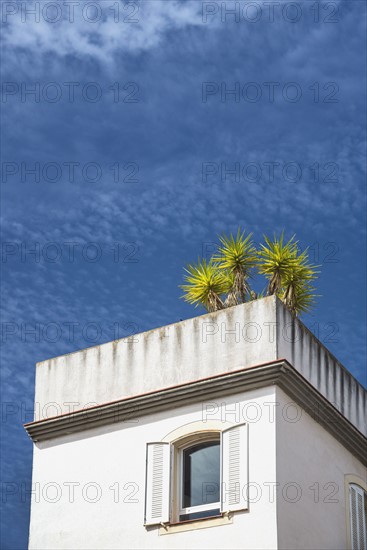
(296, 470)
(112, 458)
(115, 456)
(311, 469)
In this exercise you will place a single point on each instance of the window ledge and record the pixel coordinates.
(190, 525)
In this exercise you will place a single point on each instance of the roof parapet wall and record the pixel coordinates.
(236, 338)
(313, 360)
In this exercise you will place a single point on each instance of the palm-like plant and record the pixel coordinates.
(303, 298)
(276, 259)
(298, 292)
(288, 271)
(205, 284)
(237, 257)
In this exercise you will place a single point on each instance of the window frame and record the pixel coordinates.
(177, 481)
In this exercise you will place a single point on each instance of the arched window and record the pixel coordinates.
(199, 480)
(197, 476)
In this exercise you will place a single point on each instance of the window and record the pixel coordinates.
(199, 481)
(198, 476)
(358, 513)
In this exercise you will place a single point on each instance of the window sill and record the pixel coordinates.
(192, 524)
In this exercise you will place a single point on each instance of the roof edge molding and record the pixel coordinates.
(279, 373)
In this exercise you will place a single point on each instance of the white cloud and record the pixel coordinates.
(132, 27)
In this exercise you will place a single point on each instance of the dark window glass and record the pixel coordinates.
(201, 474)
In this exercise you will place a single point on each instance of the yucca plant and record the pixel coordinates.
(303, 298)
(276, 258)
(205, 283)
(224, 280)
(298, 292)
(289, 273)
(237, 256)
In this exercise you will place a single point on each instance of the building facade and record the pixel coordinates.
(233, 430)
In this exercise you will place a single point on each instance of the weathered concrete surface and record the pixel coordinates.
(192, 349)
(251, 334)
(314, 361)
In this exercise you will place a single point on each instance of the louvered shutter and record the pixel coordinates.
(234, 468)
(357, 518)
(157, 485)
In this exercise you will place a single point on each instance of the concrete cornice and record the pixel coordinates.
(279, 373)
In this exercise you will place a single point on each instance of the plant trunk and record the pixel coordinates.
(214, 302)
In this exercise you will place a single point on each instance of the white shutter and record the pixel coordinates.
(357, 518)
(157, 484)
(234, 468)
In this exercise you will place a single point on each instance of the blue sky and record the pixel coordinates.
(127, 191)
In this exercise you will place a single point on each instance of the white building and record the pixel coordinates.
(233, 430)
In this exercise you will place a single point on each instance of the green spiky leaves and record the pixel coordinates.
(237, 256)
(204, 284)
(298, 292)
(224, 280)
(276, 258)
(289, 273)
